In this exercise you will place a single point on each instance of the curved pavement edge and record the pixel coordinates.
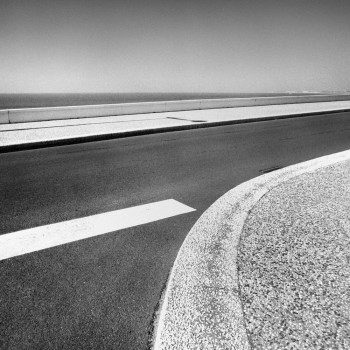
(201, 308)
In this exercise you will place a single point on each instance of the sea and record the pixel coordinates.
(34, 100)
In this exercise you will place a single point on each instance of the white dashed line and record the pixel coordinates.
(43, 237)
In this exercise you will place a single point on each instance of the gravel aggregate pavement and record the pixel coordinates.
(294, 263)
(271, 256)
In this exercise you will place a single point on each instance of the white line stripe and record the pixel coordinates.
(43, 237)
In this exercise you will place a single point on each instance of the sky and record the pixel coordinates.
(174, 46)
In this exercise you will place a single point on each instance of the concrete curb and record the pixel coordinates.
(201, 307)
(108, 136)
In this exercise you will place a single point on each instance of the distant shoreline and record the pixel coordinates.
(34, 100)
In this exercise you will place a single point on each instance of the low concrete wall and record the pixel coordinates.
(174, 106)
(90, 111)
(4, 117)
(263, 101)
(56, 113)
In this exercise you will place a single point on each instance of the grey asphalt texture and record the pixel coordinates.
(294, 264)
(101, 293)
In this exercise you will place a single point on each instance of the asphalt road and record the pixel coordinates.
(101, 293)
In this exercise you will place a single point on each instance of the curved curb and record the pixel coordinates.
(201, 308)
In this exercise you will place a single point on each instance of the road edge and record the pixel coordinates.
(116, 135)
(201, 307)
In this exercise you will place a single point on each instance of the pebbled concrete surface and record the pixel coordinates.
(294, 264)
(212, 260)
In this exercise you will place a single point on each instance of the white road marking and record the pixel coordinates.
(43, 237)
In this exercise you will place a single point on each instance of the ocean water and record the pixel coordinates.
(10, 101)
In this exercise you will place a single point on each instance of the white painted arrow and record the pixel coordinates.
(43, 237)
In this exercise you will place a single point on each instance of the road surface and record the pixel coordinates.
(101, 292)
